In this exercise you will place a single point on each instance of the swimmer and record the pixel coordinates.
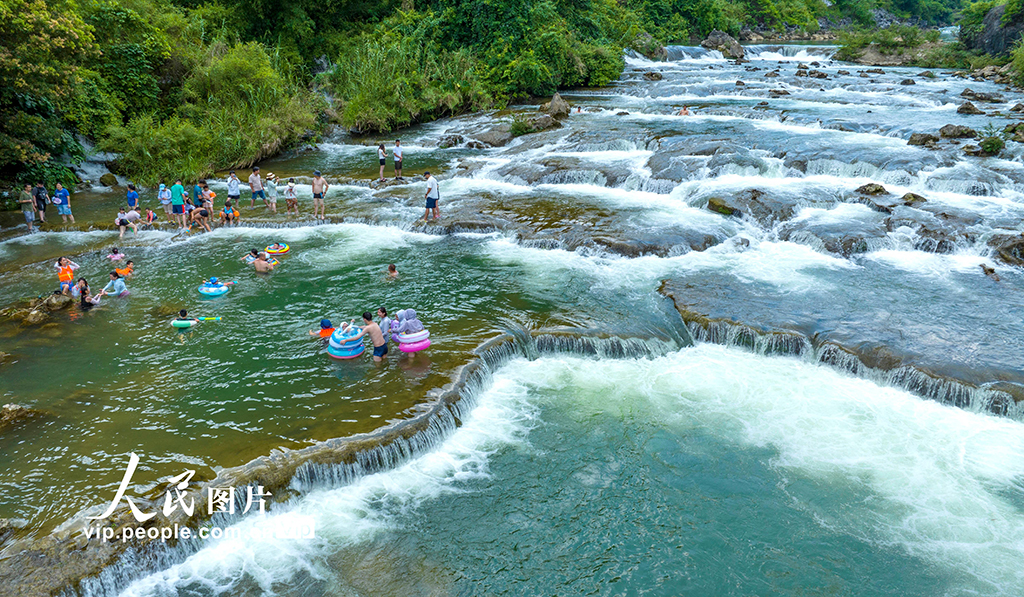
(261, 264)
(392, 272)
(201, 216)
(127, 270)
(88, 301)
(115, 285)
(250, 256)
(325, 331)
(276, 247)
(183, 316)
(684, 111)
(380, 345)
(115, 254)
(80, 289)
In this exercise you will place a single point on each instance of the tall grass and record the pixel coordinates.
(387, 84)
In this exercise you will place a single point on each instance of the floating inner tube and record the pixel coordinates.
(341, 353)
(284, 249)
(184, 323)
(346, 344)
(213, 289)
(414, 346)
(411, 338)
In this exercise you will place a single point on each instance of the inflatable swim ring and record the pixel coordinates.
(184, 323)
(414, 346)
(273, 261)
(412, 338)
(345, 344)
(213, 288)
(284, 249)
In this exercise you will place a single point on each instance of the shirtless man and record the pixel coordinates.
(380, 345)
(261, 264)
(320, 187)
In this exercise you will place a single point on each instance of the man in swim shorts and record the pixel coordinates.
(380, 345)
(261, 264)
(432, 197)
(320, 187)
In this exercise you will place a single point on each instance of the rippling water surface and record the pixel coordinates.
(701, 469)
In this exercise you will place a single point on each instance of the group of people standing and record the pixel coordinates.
(33, 202)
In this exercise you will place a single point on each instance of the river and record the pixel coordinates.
(626, 391)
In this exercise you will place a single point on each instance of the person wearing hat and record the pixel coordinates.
(164, 195)
(270, 186)
(291, 201)
(325, 331)
(256, 186)
(432, 197)
(320, 187)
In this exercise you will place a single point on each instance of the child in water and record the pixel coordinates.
(275, 247)
(127, 270)
(392, 272)
(325, 331)
(291, 201)
(250, 256)
(115, 254)
(183, 316)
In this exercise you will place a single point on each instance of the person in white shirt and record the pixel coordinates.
(234, 191)
(432, 197)
(398, 159)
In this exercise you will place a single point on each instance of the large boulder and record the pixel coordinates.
(994, 36)
(1008, 248)
(957, 131)
(767, 209)
(556, 108)
(108, 180)
(872, 188)
(991, 98)
(968, 108)
(499, 136)
(922, 139)
(724, 43)
(450, 141)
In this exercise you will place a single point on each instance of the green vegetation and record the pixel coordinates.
(180, 88)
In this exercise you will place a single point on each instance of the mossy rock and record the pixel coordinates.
(719, 205)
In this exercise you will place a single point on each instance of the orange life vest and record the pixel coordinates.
(326, 332)
(125, 271)
(66, 274)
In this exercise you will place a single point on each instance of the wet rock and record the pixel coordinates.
(922, 139)
(556, 108)
(499, 136)
(801, 73)
(927, 74)
(1015, 131)
(451, 141)
(802, 66)
(774, 93)
(872, 189)
(908, 82)
(622, 113)
(990, 272)
(108, 180)
(991, 98)
(875, 71)
(1017, 108)
(843, 72)
(968, 108)
(771, 75)
(653, 75)
(957, 131)
(911, 198)
(12, 414)
(740, 84)
(720, 205)
(476, 145)
(724, 43)
(842, 238)
(1008, 248)
(817, 74)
